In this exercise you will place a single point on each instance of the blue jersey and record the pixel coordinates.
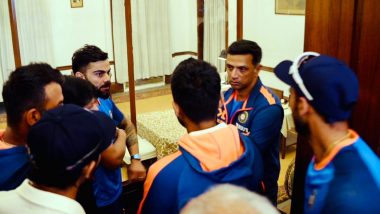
(260, 118)
(108, 106)
(346, 181)
(107, 183)
(14, 165)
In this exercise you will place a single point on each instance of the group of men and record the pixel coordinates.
(53, 149)
(36, 90)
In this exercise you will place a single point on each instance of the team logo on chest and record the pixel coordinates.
(243, 117)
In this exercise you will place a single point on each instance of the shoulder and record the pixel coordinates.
(107, 101)
(352, 185)
(266, 97)
(158, 166)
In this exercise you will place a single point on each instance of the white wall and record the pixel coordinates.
(75, 27)
(280, 36)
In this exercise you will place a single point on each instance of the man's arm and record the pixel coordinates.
(136, 170)
(266, 126)
(112, 157)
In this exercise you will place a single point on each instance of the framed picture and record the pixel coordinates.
(290, 7)
(76, 3)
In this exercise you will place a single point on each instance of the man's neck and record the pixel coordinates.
(14, 137)
(244, 93)
(192, 127)
(70, 192)
(324, 137)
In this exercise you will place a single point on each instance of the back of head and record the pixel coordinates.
(328, 84)
(243, 47)
(25, 90)
(64, 141)
(229, 199)
(78, 91)
(195, 87)
(85, 55)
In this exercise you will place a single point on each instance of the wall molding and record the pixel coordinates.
(181, 53)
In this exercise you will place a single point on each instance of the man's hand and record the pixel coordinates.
(136, 171)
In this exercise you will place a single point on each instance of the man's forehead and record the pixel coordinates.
(98, 66)
(239, 59)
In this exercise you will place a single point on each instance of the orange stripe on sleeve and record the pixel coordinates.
(264, 91)
(153, 172)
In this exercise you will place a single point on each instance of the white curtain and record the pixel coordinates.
(214, 32)
(34, 31)
(120, 41)
(151, 38)
(7, 63)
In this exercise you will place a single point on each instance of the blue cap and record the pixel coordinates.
(69, 137)
(332, 84)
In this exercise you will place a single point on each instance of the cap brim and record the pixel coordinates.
(282, 72)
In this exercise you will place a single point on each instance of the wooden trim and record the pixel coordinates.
(200, 29)
(226, 24)
(113, 43)
(266, 68)
(116, 87)
(184, 53)
(131, 76)
(68, 67)
(14, 32)
(239, 19)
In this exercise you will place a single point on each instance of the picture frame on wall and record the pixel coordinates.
(290, 7)
(76, 3)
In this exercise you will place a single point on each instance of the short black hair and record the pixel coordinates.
(195, 86)
(85, 55)
(78, 91)
(246, 47)
(25, 89)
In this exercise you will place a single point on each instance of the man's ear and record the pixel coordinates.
(80, 75)
(303, 106)
(89, 170)
(32, 116)
(258, 67)
(176, 108)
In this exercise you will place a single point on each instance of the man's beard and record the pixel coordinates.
(302, 127)
(104, 94)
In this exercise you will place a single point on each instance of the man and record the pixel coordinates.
(65, 146)
(29, 91)
(254, 109)
(209, 154)
(92, 64)
(81, 92)
(229, 199)
(344, 175)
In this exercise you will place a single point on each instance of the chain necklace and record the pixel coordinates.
(335, 143)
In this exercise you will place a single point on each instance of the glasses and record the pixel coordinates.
(295, 72)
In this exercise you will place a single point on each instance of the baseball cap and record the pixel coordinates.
(69, 137)
(328, 84)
